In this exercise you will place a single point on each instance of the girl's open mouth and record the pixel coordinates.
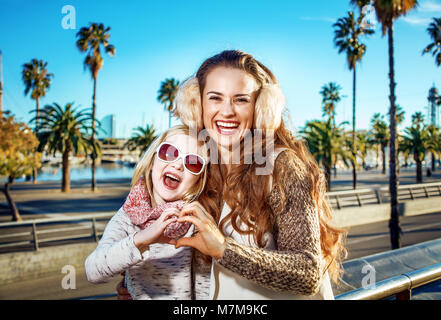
(171, 181)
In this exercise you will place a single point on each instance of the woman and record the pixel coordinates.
(273, 238)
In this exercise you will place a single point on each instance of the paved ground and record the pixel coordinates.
(374, 237)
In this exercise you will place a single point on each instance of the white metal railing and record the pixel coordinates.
(399, 286)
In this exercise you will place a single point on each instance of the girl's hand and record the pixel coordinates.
(154, 233)
(123, 293)
(209, 239)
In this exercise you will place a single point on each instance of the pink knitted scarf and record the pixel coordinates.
(138, 207)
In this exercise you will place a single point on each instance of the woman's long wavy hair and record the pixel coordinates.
(247, 193)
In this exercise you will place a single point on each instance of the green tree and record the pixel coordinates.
(417, 119)
(347, 33)
(363, 144)
(434, 143)
(330, 97)
(65, 130)
(90, 40)
(387, 12)
(415, 142)
(380, 136)
(167, 94)
(400, 114)
(37, 81)
(141, 139)
(18, 155)
(434, 31)
(326, 144)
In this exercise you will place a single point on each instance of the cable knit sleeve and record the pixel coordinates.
(297, 264)
(115, 252)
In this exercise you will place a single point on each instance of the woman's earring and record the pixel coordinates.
(187, 105)
(268, 108)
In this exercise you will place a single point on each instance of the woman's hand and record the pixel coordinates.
(209, 239)
(154, 233)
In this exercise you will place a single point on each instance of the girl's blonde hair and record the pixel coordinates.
(145, 165)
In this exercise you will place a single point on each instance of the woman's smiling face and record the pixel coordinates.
(228, 104)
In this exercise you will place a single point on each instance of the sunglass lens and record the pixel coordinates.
(168, 152)
(193, 163)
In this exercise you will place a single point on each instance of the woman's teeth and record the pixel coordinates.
(227, 127)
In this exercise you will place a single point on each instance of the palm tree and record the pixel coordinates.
(363, 144)
(415, 141)
(90, 40)
(347, 32)
(326, 143)
(37, 81)
(387, 11)
(65, 131)
(417, 119)
(141, 139)
(330, 97)
(166, 95)
(434, 143)
(380, 136)
(400, 114)
(434, 31)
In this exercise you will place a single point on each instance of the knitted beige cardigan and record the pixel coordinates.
(297, 264)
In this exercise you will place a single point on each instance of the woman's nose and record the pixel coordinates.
(227, 109)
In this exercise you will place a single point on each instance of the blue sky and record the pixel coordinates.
(155, 40)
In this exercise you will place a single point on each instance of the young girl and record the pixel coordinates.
(138, 238)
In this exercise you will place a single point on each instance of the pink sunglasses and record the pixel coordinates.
(168, 152)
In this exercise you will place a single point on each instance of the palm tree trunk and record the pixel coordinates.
(327, 167)
(14, 211)
(34, 170)
(354, 153)
(394, 223)
(433, 162)
(65, 180)
(376, 156)
(419, 171)
(93, 134)
(383, 156)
